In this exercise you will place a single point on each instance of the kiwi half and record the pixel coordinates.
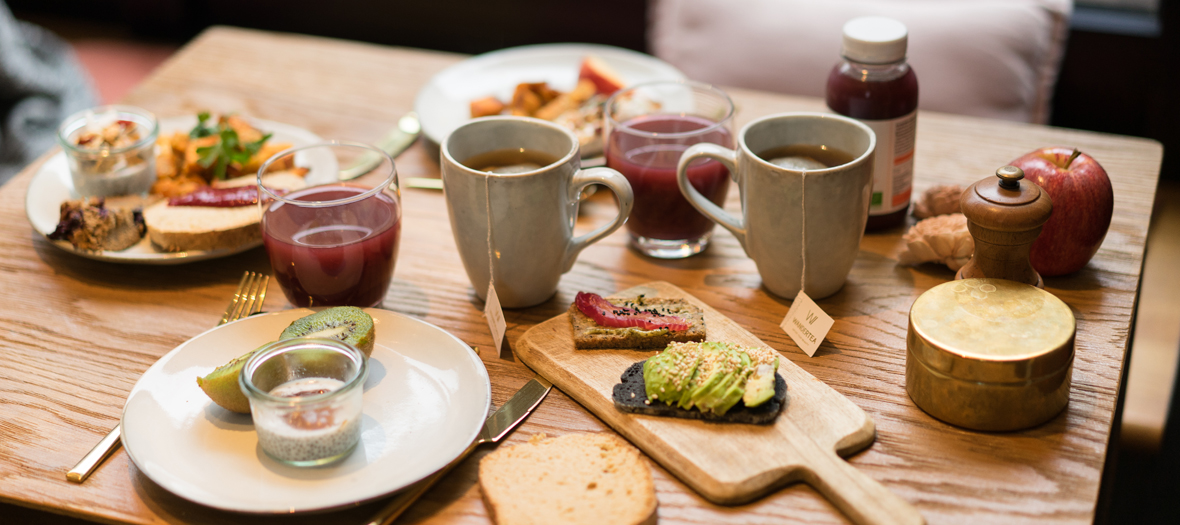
(344, 323)
(348, 324)
(222, 386)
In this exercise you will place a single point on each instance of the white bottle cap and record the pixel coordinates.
(874, 40)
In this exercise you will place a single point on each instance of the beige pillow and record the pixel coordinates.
(989, 58)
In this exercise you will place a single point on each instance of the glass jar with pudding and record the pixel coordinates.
(111, 150)
(306, 397)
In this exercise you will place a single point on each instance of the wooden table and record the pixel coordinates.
(77, 333)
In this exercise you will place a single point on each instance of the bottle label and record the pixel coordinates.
(893, 167)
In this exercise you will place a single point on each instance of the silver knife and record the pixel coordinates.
(394, 143)
(494, 429)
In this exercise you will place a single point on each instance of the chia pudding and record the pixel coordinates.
(310, 433)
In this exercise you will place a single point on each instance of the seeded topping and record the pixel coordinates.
(604, 313)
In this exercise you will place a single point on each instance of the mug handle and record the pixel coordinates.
(622, 189)
(725, 156)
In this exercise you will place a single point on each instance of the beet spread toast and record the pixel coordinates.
(635, 323)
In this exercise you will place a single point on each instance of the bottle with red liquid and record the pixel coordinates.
(876, 86)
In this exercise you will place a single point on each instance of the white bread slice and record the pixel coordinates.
(193, 228)
(589, 478)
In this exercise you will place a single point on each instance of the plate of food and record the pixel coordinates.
(189, 158)
(566, 83)
(425, 400)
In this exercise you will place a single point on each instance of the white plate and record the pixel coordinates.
(51, 186)
(444, 103)
(426, 399)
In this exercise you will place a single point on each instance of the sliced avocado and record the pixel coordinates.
(668, 374)
(711, 376)
(760, 386)
(657, 377)
(710, 390)
(737, 387)
(704, 378)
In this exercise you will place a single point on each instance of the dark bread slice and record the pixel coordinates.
(619, 338)
(630, 396)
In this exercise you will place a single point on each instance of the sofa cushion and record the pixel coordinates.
(990, 58)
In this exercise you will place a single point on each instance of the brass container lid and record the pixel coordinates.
(991, 331)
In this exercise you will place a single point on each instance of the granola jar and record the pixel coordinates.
(111, 150)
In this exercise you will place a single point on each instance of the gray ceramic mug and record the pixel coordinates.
(532, 213)
(789, 214)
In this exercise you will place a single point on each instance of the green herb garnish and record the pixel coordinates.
(227, 150)
(203, 129)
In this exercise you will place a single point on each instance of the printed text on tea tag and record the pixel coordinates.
(495, 316)
(806, 323)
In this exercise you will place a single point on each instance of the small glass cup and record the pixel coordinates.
(306, 399)
(648, 126)
(334, 242)
(111, 150)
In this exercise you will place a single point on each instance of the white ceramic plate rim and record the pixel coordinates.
(51, 186)
(443, 103)
(176, 436)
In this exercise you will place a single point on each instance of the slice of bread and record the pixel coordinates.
(194, 228)
(573, 479)
(589, 335)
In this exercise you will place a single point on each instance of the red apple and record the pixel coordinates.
(605, 80)
(1083, 202)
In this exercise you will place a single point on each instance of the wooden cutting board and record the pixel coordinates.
(728, 463)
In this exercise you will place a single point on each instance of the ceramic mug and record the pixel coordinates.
(532, 213)
(802, 227)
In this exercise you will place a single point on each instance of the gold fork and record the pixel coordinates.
(247, 301)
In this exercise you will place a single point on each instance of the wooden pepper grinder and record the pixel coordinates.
(1005, 216)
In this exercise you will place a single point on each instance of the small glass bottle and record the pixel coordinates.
(875, 85)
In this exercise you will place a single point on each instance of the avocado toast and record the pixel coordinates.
(712, 381)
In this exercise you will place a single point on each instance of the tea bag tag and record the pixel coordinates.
(806, 323)
(495, 316)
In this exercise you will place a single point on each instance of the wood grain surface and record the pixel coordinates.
(726, 463)
(76, 334)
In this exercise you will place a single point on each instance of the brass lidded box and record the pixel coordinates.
(990, 354)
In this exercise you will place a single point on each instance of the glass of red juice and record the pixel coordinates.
(332, 237)
(647, 127)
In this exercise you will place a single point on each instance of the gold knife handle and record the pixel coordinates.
(84, 468)
(402, 501)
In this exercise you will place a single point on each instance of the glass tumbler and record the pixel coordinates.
(111, 150)
(648, 126)
(332, 236)
(306, 399)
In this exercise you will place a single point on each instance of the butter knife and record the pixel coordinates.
(394, 143)
(494, 429)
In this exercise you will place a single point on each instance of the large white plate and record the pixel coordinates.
(426, 399)
(444, 103)
(51, 186)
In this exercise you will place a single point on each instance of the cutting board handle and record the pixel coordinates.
(858, 496)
